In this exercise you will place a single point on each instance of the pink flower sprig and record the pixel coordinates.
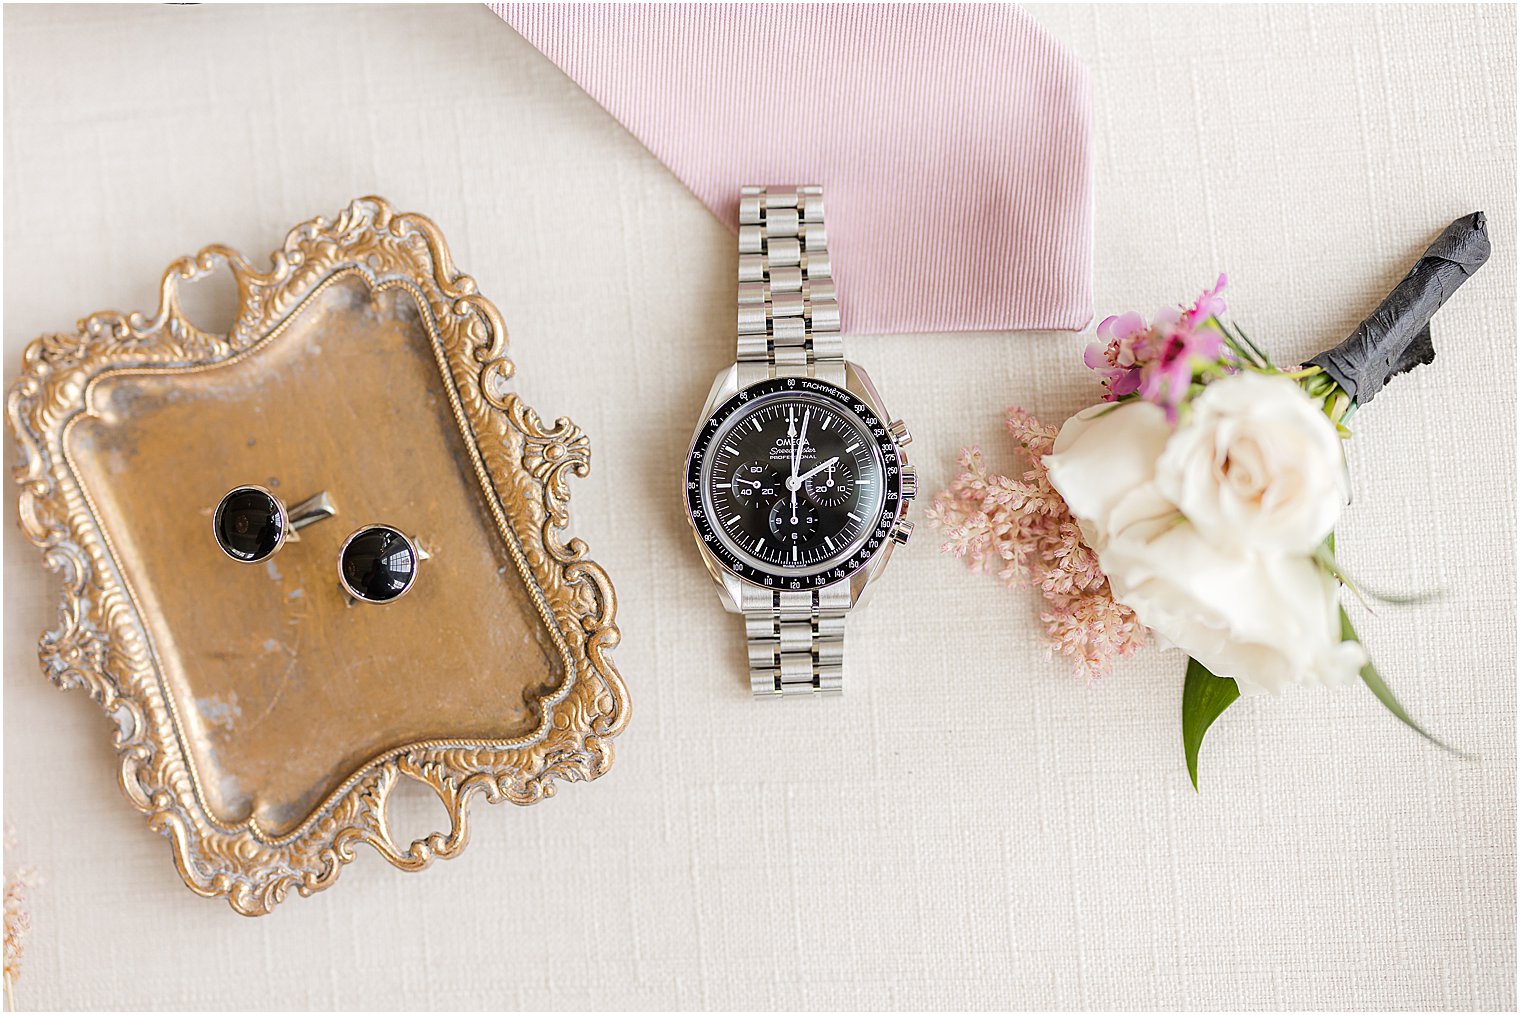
(1159, 361)
(1022, 530)
(18, 922)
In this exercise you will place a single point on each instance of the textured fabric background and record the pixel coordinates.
(967, 826)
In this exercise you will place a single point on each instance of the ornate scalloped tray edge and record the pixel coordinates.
(102, 643)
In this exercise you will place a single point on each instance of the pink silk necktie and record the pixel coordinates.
(952, 141)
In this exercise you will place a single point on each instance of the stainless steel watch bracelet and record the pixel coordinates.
(788, 316)
(789, 327)
(796, 640)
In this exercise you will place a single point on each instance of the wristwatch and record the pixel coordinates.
(797, 485)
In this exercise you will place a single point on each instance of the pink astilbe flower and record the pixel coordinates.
(1158, 361)
(1021, 530)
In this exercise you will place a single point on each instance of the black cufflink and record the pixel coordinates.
(251, 524)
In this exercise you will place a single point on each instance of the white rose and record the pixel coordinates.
(1269, 620)
(1102, 456)
(1256, 463)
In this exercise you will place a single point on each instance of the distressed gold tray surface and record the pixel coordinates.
(262, 721)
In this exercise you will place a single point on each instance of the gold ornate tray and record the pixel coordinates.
(262, 721)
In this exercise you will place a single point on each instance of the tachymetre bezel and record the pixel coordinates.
(877, 538)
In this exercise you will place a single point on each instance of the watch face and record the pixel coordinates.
(793, 483)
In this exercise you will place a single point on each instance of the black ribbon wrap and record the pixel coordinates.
(1396, 338)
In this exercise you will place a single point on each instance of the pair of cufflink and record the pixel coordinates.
(376, 564)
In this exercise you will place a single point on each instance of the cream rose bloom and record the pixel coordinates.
(1257, 463)
(1268, 619)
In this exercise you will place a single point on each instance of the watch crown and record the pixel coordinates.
(899, 431)
(909, 483)
(902, 530)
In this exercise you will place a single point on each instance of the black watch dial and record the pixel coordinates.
(793, 482)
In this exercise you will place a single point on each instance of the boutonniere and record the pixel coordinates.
(1196, 505)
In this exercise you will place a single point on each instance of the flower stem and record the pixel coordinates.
(1338, 406)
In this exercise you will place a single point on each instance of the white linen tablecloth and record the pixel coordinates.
(967, 826)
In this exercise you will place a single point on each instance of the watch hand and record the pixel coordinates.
(793, 482)
(815, 470)
(800, 443)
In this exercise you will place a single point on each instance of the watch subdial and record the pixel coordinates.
(755, 483)
(791, 528)
(832, 487)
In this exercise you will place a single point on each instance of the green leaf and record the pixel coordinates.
(1384, 694)
(1247, 356)
(1266, 360)
(1324, 556)
(1240, 351)
(1204, 699)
